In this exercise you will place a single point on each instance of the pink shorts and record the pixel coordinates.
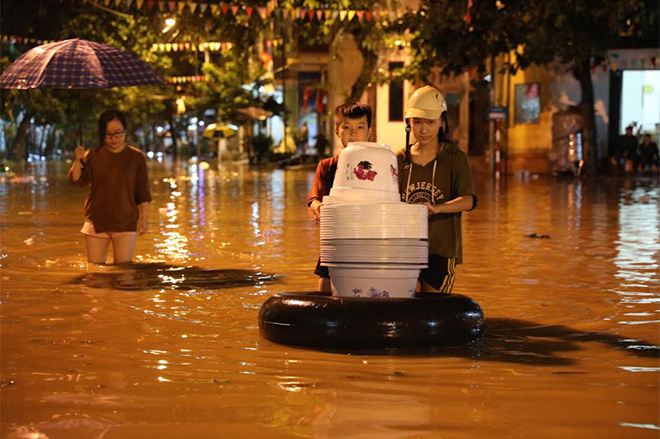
(88, 229)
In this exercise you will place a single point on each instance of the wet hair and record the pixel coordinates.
(107, 116)
(352, 110)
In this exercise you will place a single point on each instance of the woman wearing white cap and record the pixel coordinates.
(435, 172)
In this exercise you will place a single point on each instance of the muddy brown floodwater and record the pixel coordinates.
(567, 272)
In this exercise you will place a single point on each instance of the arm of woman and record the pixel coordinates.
(77, 167)
(143, 222)
(459, 204)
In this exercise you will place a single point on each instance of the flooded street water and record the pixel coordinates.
(566, 271)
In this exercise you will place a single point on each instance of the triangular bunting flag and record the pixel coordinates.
(215, 9)
(614, 66)
(303, 14)
(107, 2)
(335, 14)
(351, 15)
(180, 6)
(262, 12)
(327, 14)
(192, 7)
(319, 14)
(150, 4)
(234, 9)
(653, 59)
(248, 10)
(368, 15)
(161, 6)
(202, 7)
(224, 7)
(117, 3)
(360, 15)
(172, 6)
(342, 15)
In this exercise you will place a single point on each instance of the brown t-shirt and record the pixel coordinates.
(452, 179)
(323, 179)
(118, 185)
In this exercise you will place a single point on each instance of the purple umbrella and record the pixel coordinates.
(77, 64)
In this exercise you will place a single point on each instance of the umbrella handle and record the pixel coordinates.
(80, 141)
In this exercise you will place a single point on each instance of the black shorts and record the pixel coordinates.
(440, 274)
(321, 270)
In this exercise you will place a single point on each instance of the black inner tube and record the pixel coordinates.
(323, 321)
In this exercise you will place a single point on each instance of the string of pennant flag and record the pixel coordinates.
(185, 79)
(213, 46)
(265, 12)
(612, 64)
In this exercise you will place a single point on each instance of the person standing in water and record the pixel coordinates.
(352, 124)
(435, 172)
(117, 206)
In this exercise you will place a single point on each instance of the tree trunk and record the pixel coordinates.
(582, 73)
(51, 141)
(18, 145)
(366, 74)
(175, 146)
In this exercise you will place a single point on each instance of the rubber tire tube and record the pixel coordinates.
(323, 321)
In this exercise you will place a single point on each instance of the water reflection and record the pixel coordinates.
(154, 276)
(171, 346)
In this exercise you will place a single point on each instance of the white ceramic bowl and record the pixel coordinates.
(367, 165)
(374, 251)
(349, 195)
(369, 221)
(357, 281)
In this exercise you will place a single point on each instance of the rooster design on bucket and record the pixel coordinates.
(363, 171)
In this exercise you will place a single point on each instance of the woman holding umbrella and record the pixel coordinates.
(117, 206)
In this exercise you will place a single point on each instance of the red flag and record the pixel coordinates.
(320, 101)
(468, 17)
(306, 95)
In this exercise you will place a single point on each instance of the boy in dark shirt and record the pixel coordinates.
(352, 124)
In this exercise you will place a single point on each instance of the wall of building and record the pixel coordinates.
(344, 66)
(529, 145)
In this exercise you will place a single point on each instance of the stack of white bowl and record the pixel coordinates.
(372, 243)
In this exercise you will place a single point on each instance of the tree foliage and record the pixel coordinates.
(536, 32)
